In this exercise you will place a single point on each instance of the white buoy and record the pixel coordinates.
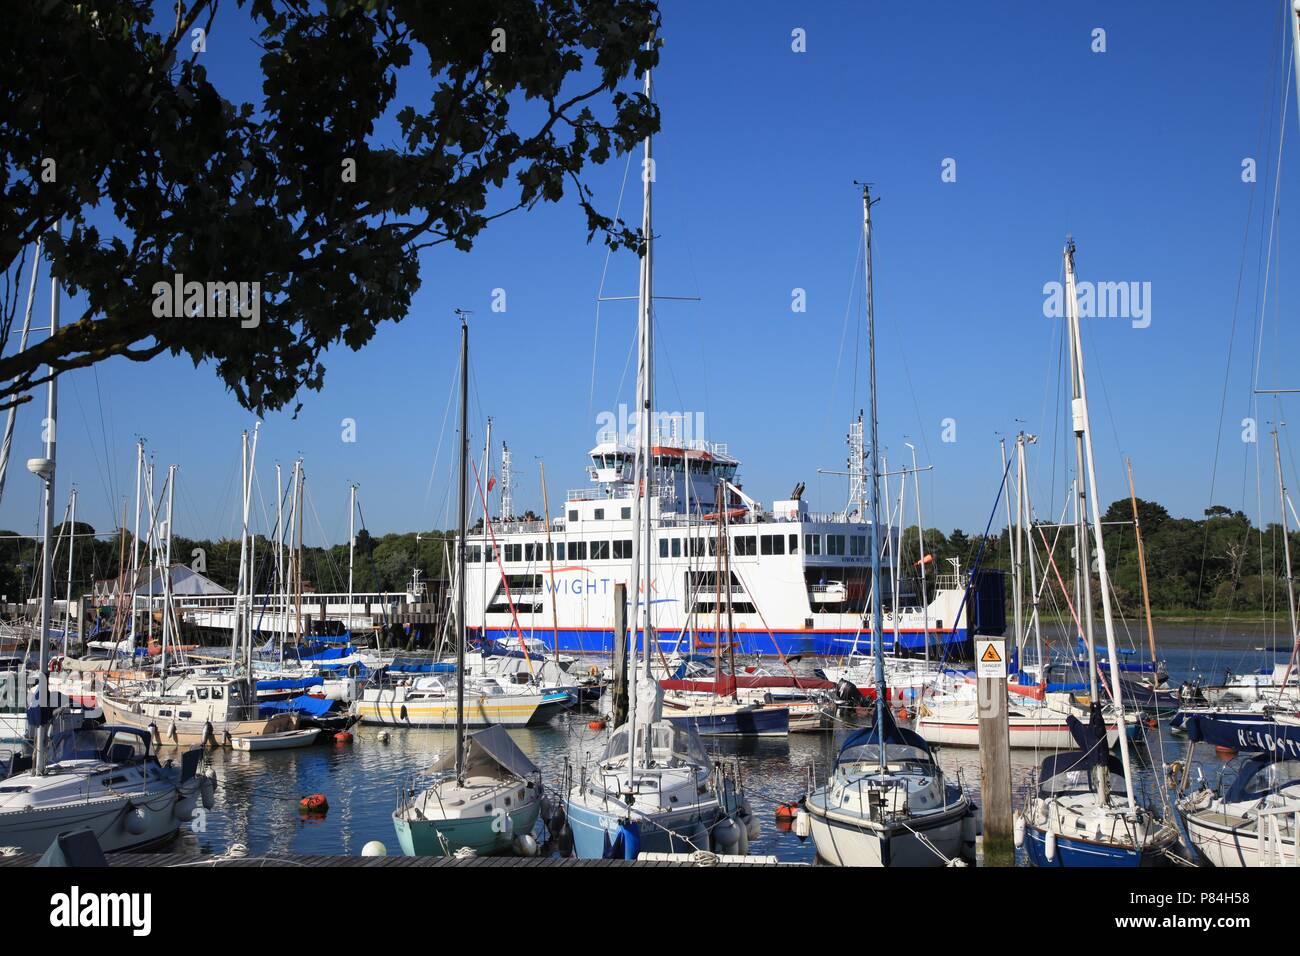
(237, 851)
(384, 736)
(1019, 826)
(1049, 845)
(374, 848)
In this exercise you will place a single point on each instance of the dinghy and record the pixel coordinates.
(286, 740)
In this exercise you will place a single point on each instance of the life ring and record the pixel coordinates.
(593, 671)
(56, 664)
(352, 670)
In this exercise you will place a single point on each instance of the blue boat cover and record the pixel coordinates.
(306, 704)
(1090, 739)
(1277, 778)
(890, 733)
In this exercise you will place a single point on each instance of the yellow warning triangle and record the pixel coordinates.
(990, 655)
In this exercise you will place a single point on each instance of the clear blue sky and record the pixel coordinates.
(1136, 151)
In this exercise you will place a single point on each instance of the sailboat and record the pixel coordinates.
(652, 788)
(104, 780)
(887, 802)
(486, 791)
(1077, 818)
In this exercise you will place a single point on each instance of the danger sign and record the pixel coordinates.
(990, 658)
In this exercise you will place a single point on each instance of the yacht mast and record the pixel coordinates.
(877, 620)
(1082, 566)
(352, 546)
(1082, 427)
(72, 550)
(461, 506)
(44, 468)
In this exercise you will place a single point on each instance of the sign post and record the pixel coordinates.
(995, 750)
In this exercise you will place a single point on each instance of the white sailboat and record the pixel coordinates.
(887, 802)
(485, 795)
(1077, 818)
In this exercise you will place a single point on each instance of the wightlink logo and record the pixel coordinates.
(75, 909)
(1103, 300)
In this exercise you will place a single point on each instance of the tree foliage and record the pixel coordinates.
(452, 113)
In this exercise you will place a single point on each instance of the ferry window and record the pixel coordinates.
(473, 554)
(746, 545)
(625, 513)
(772, 544)
(713, 546)
(697, 547)
(600, 514)
(858, 545)
(530, 552)
(577, 551)
(514, 552)
(663, 547)
(573, 514)
(600, 550)
(812, 544)
(677, 547)
(794, 544)
(559, 550)
(623, 549)
(835, 544)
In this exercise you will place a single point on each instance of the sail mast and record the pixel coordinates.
(1083, 428)
(461, 506)
(877, 617)
(44, 469)
(1142, 558)
(1083, 569)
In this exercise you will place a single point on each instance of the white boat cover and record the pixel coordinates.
(485, 751)
(649, 701)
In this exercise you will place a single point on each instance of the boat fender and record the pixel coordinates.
(155, 735)
(171, 731)
(1019, 826)
(747, 817)
(374, 848)
(525, 844)
(1049, 845)
(185, 806)
(802, 825)
(564, 838)
(137, 821)
(726, 837)
(208, 787)
(402, 714)
(209, 738)
(1175, 774)
(743, 847)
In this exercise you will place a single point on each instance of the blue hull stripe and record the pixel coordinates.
(811, 643)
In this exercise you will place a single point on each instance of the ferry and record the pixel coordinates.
(799, 581)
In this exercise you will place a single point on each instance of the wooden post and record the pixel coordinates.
(995, 753)
(619, 700)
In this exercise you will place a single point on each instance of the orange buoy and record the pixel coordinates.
(596, 725)
(1226, 752)
(902, 713)
(1152, 723)
(316, 803)
(787, 811)
(343, 737)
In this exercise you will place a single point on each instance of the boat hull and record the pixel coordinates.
(441, 713)
(1075, 852)
(1223, 842)
(681, 832)
(842, 841)
(33, 830)
(726, 722)
(194, 733)
(483, 835)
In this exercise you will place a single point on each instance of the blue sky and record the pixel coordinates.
(1136, 151)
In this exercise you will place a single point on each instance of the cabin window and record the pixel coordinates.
(623, 549)
(600, 550)
(599, 514)
(573, 514)
(625, 513)
(663, 547)
(217, 693)
(184, 714)
(164, 712)
(794, 544)
(677, 547)
(835, 544)
(812, 544)
(858, 545)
